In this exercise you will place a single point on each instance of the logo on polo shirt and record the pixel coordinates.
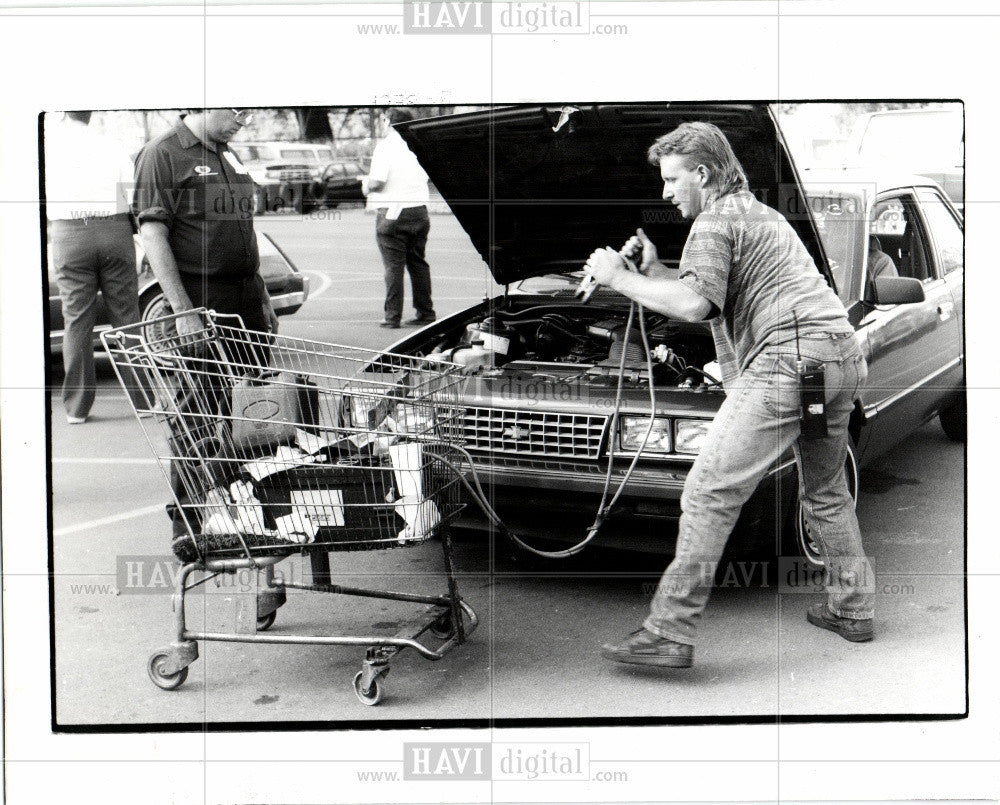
(204, 170)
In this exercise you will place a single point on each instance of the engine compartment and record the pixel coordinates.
(591, 337)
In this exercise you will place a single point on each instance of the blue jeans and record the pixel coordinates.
(755, 425)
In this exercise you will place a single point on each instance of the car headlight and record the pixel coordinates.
(690, 435)
(632, 429)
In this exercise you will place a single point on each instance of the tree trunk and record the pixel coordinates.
(314, 124)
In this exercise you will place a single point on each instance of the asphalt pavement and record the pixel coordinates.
(536, 653)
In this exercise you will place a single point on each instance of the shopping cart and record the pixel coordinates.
(274, 446)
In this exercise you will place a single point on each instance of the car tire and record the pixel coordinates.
(953, 420)
(153, 305)
(798, 541)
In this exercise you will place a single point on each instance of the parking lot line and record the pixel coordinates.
(324, 283)
(117, 518)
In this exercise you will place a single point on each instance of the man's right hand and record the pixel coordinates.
(189, 325)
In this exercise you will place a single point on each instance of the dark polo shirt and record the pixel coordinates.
(204, 197)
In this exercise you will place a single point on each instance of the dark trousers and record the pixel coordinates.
(402, 243)
(92, 256)
(205, 398)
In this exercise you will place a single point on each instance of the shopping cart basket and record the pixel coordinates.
(275, 445)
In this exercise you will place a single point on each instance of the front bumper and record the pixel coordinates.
(558, 501)
(291, 294)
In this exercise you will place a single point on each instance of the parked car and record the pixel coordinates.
(536, 194)
(930, 142)
(285, 173)
(288, 289)
(340, 181)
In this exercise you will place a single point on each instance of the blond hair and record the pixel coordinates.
(703, 144)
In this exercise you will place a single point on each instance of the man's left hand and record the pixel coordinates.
(604, 265)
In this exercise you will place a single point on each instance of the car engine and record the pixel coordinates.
(589, 337)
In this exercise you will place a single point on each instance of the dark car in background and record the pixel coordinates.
(537, 188)
(287, 287)
(339, 182)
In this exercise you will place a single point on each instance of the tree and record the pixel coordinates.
(314, 123)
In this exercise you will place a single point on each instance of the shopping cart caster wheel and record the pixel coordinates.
(371, 696)
(444, 627)
(160, 678)
(267, 621)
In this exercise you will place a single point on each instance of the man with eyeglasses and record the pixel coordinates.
(193, 200)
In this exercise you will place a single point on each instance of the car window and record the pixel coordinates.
(897, 232)
(946, 232)
(297, 153)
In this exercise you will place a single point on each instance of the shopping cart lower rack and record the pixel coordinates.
(274, 446)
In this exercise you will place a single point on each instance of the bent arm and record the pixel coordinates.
(670, 297)
(161, 260)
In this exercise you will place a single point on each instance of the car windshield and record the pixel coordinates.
(840, 219)
(246, 153)
(911, 138)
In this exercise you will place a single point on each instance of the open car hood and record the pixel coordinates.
(538, 188)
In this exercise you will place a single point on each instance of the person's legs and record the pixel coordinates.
(416, 263)
(749, 433)
(392, 247)
(826, 499)
(76, 275)
(120, 289)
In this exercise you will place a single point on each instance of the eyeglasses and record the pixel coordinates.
(242, 116)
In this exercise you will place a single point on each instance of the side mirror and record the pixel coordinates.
(896, 291)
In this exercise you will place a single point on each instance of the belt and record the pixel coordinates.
(219, 279)
(825, 336)
(403, 209)
(94, 219)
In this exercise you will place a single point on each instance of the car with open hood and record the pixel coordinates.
(538, 188)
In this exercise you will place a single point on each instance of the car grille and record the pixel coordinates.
(530, 433)
(295, 175)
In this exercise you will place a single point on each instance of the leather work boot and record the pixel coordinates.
(645, 648)
(857, 631)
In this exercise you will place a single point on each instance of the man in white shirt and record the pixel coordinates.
(396, 187)
(86, 177)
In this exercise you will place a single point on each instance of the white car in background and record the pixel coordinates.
(285, 173)
(926, 142)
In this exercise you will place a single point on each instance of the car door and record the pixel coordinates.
(947, 232)
(912, 347)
